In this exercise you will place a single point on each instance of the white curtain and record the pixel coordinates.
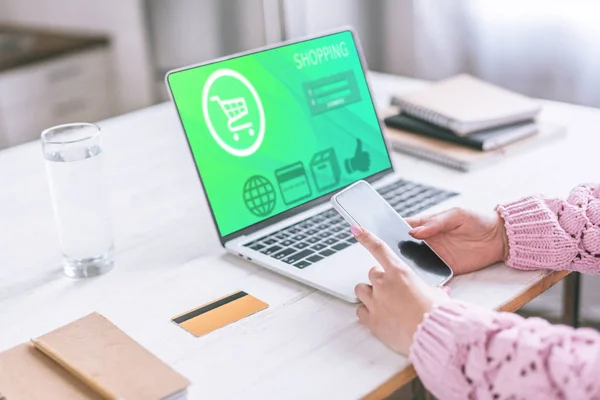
(183, 32)
(542, 48)
(548, 49)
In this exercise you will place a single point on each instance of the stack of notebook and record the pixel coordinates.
(88, 359)
(463, 122)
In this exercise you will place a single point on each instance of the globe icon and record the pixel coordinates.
(259, 195)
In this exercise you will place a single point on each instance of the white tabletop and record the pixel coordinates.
(307, 344)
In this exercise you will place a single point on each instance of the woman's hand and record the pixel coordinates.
(397, 299)
(465, 240)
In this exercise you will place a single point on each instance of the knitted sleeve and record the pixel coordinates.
(555, 234)
(464, 352)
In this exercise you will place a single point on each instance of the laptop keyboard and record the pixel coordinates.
(324, 234)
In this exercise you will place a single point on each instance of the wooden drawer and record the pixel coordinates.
(24, 122)
(71, 88)
(57, 77)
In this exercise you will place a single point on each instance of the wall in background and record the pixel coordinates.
(542, 49)
(123, 21)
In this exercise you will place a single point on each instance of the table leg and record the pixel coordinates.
(571, 296)
(419, 392)
(416, 387)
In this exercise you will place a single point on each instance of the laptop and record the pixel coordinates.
(274, 133)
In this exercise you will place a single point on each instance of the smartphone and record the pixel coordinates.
(361, 205)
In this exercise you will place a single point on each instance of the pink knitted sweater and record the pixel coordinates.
(464, 352)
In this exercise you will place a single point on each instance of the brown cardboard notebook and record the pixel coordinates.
(27, 374)
(96, 348)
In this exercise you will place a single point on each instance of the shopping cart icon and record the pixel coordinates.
(244, 132)
(235, 109)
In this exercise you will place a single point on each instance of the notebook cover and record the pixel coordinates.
(483, 140)
(27, 374)
(98, 348)
(465, 100)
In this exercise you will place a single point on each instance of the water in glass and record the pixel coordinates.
(74, 167)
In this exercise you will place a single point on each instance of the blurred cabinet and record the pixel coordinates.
(60, 85)
(123, 21)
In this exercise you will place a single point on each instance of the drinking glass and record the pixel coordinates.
(73, 156)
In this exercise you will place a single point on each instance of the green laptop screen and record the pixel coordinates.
(272, 130)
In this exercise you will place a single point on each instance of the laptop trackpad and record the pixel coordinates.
(342, 271)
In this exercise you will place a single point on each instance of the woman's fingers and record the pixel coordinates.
(375, 275)
(364, 293)
(382, 253)
(415, 222)
(362, 313)
(444, 222)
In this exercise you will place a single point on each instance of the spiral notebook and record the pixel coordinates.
(465, 104)
(464, 158)
(486, 140)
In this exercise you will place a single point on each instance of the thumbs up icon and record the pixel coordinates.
(360, 161)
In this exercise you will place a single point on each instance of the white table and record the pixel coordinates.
(307, 344)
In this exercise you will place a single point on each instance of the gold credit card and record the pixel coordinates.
(219, 313)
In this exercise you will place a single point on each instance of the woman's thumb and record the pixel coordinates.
(422, 232)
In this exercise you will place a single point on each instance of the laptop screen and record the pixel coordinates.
(274, 129)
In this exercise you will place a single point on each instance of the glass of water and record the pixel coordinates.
(73, 155)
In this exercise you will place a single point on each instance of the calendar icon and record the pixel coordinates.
(293, 183)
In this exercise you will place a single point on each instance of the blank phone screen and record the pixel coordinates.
(369, 210)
